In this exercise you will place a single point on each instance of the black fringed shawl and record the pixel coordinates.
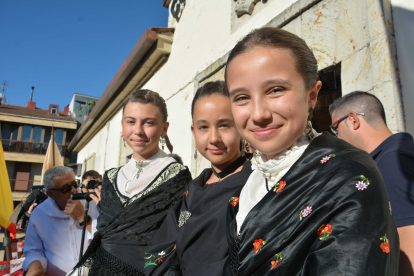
(125, 225)
(199, 246)
(331, 218)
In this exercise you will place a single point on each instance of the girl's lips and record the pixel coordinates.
(216, 151)
(265, 132)
(140, 142)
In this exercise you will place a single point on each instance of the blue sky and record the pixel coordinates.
(63, 47)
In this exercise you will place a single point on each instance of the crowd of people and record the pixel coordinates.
(279, 198)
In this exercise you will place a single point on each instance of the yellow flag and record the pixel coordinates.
(6, 199)
(48, 163)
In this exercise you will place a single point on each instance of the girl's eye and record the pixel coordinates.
(130, 122)
(241, 98)
(202, 127)
(276, 90)
(149, 123)
(224, 125)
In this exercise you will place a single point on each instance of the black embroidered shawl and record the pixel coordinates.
(199, 247)
(125, 225)
(329, 215)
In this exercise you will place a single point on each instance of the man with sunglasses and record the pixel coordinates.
(359, 119)
(54, 233)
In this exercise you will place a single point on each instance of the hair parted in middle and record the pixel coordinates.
(209, 88)
(146, 96)
(270, 37)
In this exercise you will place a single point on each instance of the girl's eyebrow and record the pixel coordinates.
(269, 82)
(201, 122)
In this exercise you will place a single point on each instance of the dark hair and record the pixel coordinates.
(209, 88)
(269, 37)
(360, 102)
(92, 174)
(146, 96)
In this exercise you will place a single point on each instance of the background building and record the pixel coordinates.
(80, 106)
(359, 44)
(25, 136)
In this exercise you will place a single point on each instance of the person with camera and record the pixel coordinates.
(53, 236)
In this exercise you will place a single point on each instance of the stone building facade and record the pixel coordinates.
(362, 41)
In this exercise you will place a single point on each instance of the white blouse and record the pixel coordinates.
(136, 175)
(255, 188)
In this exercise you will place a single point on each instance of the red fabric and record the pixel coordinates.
(12, 230)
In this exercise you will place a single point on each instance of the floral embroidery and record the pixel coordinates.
(186, 193)
(234, 200)
(326, 158)
(389, 203)
(324, 230)
(258, 244)
(361, 185)
(159, 260)
(305, 212)
(385, 246)
(279, 258)
(279, 186)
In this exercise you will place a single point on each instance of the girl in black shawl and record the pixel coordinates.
(136, 197)
(314, 204)
(192, 239)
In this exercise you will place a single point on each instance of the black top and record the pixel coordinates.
(330, 216)
(395, 160)
(126, 226)
(200, 244)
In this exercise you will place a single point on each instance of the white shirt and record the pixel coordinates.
(53, 238)
(130, 182)
(273, 170)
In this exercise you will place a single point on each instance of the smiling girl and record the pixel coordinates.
(313, 205)
(136, 197)
(192, 239)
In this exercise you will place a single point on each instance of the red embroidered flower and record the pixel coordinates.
(258, 244)
(279, 258)
(385, 246)
(325, 228)
(234, 201)
(175, 246)
(280, 186)
(186, 194)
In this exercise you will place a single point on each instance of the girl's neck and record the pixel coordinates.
(143, 157)
(220, 167)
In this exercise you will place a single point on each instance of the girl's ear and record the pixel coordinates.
(313, 95)
(165, 128)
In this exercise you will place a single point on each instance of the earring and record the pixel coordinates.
(257, 152)
(162, 141)
(309, 132)
(124, 141)
(195, 154)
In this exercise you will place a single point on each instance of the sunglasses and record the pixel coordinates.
(334, 126)
(67, 187)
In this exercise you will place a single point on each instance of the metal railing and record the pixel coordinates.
(29, 147)
(18, 185)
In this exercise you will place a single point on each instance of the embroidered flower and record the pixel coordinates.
(258, 244)
(305, 212)
(186, 193)
(175, 246)
(385, 246)
(326, 158)
(160, 261)
(279, 186)
(324, 230)
(279, 258)
(361, 185)
(234, 200)
(389, 203)
(162, 253)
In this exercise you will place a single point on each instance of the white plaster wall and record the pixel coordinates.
(403, 18)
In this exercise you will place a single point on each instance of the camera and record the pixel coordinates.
(92, 184)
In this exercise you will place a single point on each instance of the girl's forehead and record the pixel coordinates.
(140, 109)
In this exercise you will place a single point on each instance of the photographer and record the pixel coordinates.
(91, 182)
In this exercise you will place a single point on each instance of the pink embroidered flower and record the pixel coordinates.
(361, 185)
(325, 159)
(305, 212)
(319, 134)
(390, 208)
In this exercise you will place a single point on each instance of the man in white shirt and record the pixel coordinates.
(53, 236)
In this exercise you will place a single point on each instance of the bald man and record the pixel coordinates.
(359, 119)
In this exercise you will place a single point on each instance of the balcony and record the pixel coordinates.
(16, 146)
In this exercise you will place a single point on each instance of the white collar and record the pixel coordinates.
(271, 168)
